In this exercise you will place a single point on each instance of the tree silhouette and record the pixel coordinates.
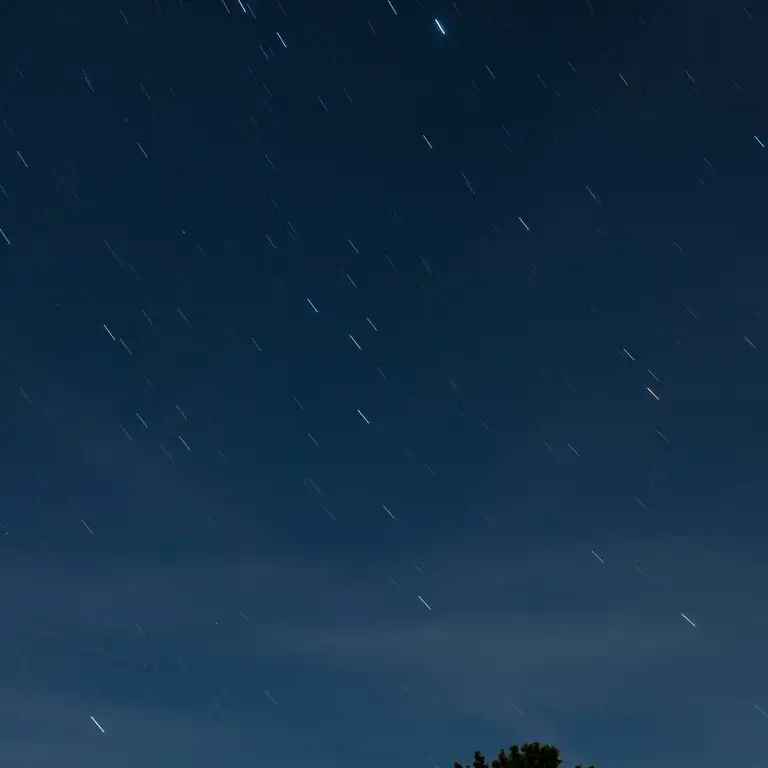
(533, 755)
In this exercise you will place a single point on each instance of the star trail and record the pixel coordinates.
(382, 381)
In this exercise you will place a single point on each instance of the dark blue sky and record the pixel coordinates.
(379, 383)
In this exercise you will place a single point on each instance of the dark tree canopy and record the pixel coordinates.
(533, 755)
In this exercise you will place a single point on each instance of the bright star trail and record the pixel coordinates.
(373, 373)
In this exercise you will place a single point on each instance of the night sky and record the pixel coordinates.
(380, 382)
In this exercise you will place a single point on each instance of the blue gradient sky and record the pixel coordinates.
(371, 395)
